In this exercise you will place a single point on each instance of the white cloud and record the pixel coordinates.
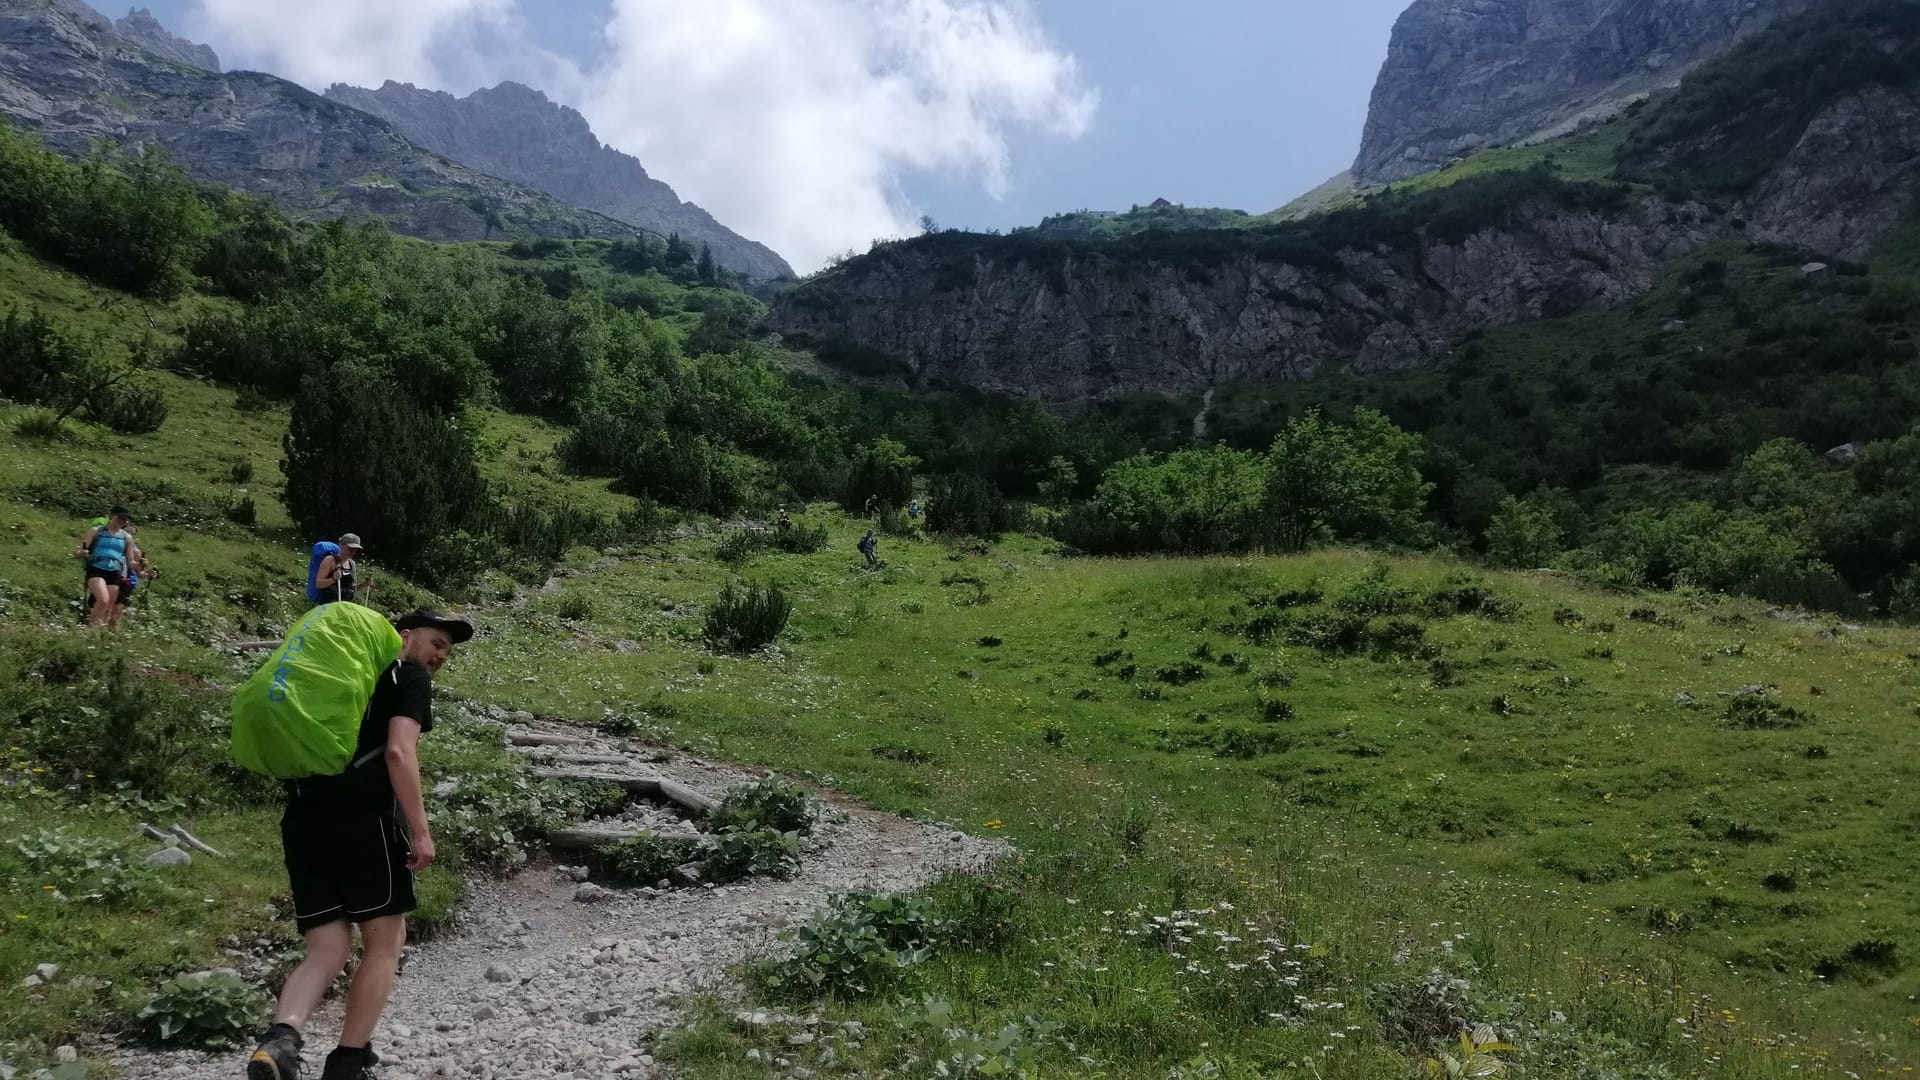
(355, 41)
(792, 121)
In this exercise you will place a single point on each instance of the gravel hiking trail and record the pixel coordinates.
(545, 975)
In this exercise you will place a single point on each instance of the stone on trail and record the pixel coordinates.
(47, 971)
(589, 893)
(499, 973)
(168, 856)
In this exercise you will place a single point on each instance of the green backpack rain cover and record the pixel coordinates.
(299, 715)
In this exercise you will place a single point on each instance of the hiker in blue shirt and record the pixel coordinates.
(333, 571)
(107, 551)
(867, 546)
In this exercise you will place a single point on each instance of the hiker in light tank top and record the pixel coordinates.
(106, 552)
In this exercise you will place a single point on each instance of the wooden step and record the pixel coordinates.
(652, 787)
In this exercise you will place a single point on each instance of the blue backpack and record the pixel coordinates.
(320, 552)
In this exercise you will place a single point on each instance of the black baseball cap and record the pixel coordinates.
(121, 511)
(457, 627)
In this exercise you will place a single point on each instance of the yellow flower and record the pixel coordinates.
(994, 824)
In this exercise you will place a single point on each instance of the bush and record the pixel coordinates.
(645, 859)
(965, 505)
(241, 473)
(735, 853)
(39, 424)
(739, 545)
(800, 540)
(241, 511)
(214, 1009)
(131, 407)
(774, 803)
(1904, 604)
(747, 619)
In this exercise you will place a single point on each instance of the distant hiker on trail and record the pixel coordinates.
(106, 550)
(785, 523)
(333, 571)
(353, 843)
(136, 569)
(867, 546)
(873, 506)
(913, 508)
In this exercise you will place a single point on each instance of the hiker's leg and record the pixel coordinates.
(327, 950)
(102, 592)
(380, 943)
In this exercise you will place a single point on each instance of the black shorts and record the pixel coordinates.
(114, 578)
(348, 865)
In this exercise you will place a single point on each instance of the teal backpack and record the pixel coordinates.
(299, 714)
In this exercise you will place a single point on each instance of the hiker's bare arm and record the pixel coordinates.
(403, 767)
(85, 543)
(329, 573)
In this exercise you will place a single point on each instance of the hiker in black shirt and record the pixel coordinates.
(353, 843)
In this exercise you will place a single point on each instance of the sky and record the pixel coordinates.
(817, 126)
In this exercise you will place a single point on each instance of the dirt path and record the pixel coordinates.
(544, 977)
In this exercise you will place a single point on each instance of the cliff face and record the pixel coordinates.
(515, 132)
(1083, 327)
(74, 78)
(1829, 165)
(1463, 75)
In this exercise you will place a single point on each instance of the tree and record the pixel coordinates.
(882, 468)
(709, 274)
(1190, 500)
(361, 456)
(1523, 533)
(1358, 482)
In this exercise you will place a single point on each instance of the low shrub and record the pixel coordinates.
(215, 1009)
(133, 407)
(800, 540)
(774, 803)
(575, 607)
(734, 853)
(81, 868)
(241, 473)
(242, 512)
(739, 545)
(645, 859)
(43, 424)
(747, 619)
(859, 946)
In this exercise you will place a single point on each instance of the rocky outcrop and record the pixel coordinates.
(1081, 327)
(72, 77)
(141, 28)
(1464, 75)
(515, 132)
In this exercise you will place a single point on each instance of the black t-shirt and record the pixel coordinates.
(405, 689)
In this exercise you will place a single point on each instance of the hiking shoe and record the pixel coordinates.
(345, 1064)
(278, 1055)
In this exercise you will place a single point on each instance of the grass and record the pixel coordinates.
(1531, 791)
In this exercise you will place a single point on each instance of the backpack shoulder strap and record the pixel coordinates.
(392, 673)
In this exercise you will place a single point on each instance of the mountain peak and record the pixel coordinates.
(1465, 75)
(141, 28)
(518, 133)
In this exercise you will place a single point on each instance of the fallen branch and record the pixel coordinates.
(195, 842)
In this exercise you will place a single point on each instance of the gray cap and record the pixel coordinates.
(350, 540)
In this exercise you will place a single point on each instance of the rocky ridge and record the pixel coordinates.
(1396, 282)
(517, 133)
(71, 76)
(1464, 75)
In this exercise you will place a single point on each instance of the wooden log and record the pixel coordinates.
(541, 738)
(586, 838)
(689, 798)
(583, 759)
(649, 786)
